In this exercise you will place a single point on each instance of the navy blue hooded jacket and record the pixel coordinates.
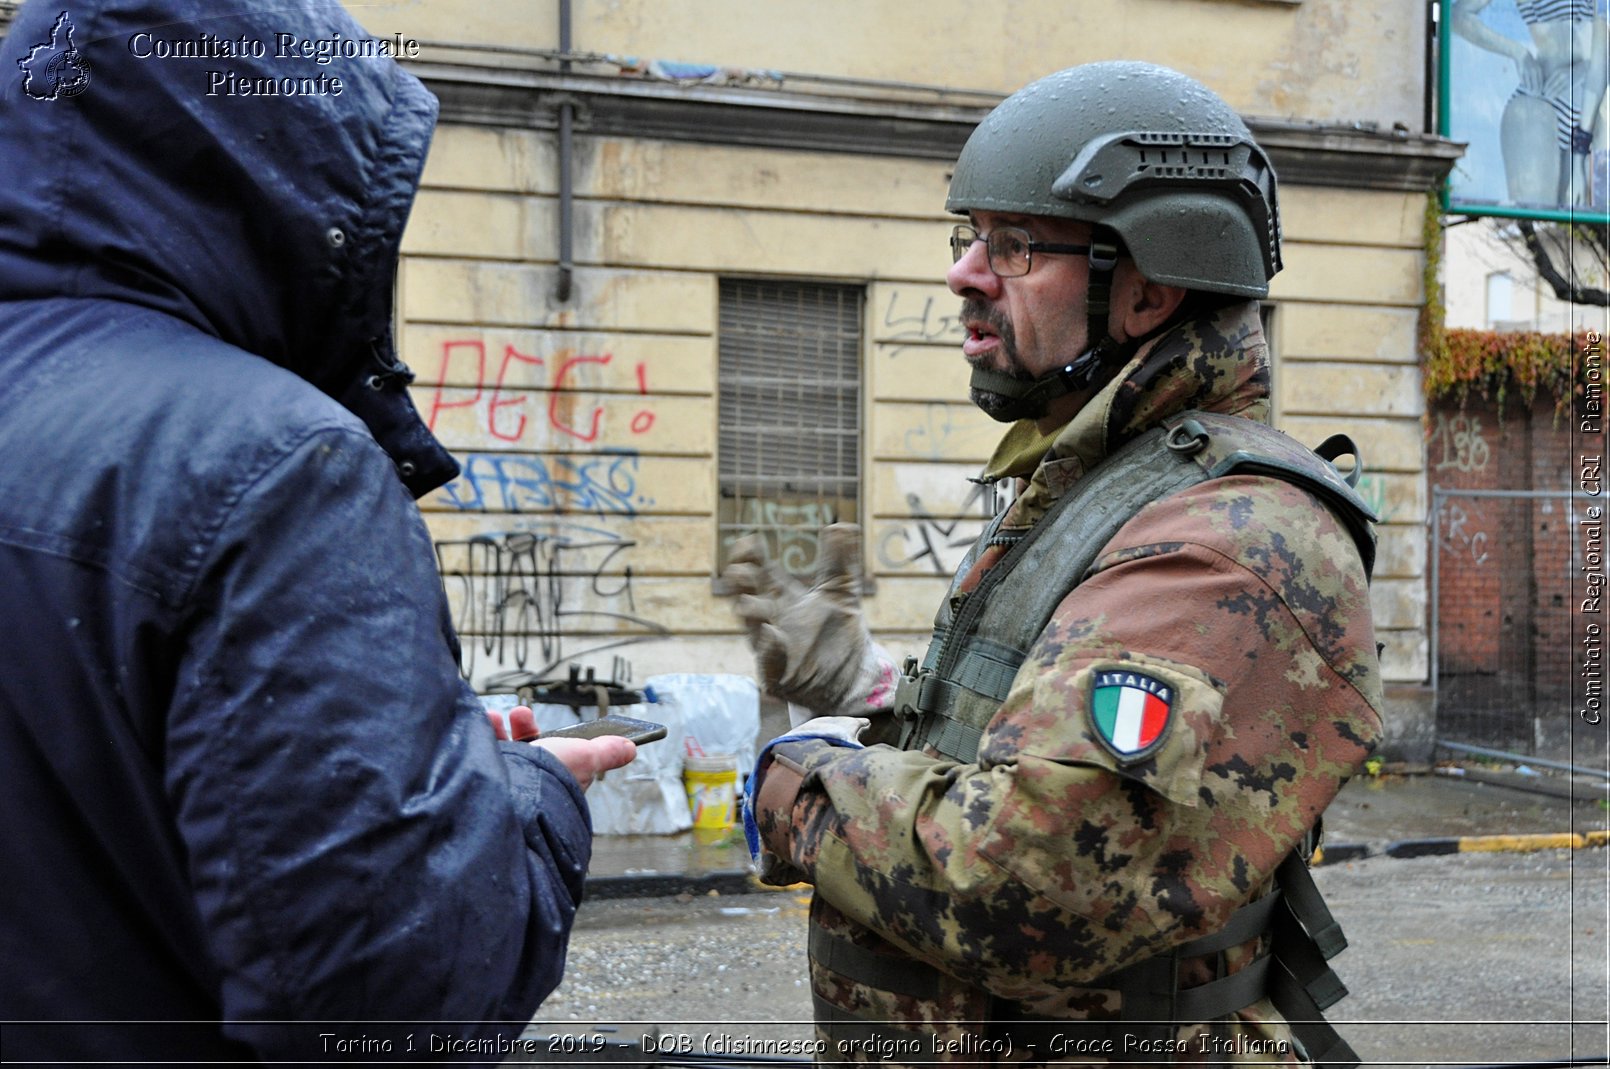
(241, 780)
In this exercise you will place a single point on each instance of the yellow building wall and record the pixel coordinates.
(591, 425)
(1344, 334)
(1326, 60)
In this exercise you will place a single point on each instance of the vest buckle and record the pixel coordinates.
(914, 698)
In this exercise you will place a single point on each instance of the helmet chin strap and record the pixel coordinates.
(1030, 398)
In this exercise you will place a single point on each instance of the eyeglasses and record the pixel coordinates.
(1011, 250)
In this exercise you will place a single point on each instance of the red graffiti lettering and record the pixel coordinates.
(437, 403)
(554, 415)
(506, 417)
(510, 354)
(644, 419)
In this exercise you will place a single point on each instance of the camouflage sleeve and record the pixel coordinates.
(1076, 845)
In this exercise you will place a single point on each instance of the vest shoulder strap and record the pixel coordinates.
(1229, 445)
(978, 647)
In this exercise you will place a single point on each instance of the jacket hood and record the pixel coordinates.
(1214, 363)
(231, 165)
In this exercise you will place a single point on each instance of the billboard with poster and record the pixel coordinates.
(1524, 85)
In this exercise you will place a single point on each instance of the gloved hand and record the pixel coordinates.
(811, 645)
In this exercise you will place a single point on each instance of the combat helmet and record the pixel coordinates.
(1158, 163)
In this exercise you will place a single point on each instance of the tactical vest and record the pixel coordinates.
(982, 638)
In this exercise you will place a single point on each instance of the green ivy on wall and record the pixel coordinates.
(1494, 364)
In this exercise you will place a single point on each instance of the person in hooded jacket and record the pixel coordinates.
(245, 788)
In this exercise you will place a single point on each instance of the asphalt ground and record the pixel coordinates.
(1474, 898)
(1469, 960)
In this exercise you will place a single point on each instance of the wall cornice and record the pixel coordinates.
(907, 122)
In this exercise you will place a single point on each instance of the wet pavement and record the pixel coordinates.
(1370, 815)
(1452, 802)
(1470, 959)
(1464, 960)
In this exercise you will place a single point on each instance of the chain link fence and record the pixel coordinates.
(1510, 572)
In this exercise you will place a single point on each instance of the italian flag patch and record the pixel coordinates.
(1130, 711)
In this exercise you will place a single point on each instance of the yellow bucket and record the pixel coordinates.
(712, 786)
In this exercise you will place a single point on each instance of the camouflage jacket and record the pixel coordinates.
(1044, 866)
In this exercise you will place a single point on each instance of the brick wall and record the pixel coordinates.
(1509, 571)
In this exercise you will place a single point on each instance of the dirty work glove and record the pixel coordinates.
(811, 645)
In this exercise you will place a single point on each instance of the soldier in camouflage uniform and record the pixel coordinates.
(1075, 826)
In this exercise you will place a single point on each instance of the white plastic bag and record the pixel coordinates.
(720, 713)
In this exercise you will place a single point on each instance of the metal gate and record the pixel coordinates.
(1510, 573)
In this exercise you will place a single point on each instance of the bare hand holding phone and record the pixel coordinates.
(588, 749)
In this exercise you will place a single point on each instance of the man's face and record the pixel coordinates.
(1027, 325)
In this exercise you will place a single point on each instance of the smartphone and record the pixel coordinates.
(639, 731)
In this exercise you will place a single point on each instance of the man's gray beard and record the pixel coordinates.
(1004, 409)
(998, 406)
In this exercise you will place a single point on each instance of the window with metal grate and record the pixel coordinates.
(789, 443)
